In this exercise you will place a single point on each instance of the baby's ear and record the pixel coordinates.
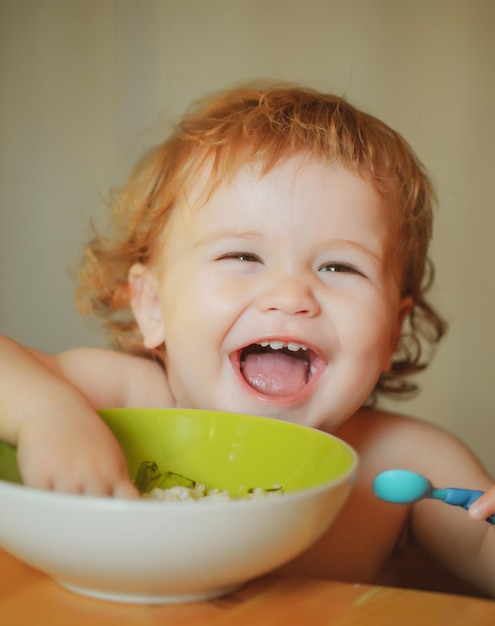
(145, 303)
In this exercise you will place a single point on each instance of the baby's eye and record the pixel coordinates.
(242, 256)
(338, 267)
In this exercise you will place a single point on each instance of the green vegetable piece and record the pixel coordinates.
(172, 479)
(149, 477)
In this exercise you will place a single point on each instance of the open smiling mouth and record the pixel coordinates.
(277, 368)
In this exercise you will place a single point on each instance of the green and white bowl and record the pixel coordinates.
(151, 551)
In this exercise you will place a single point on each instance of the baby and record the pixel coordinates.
(269, 258)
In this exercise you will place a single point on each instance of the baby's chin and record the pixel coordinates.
(302, 414)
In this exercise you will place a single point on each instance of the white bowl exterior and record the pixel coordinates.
(142, 551)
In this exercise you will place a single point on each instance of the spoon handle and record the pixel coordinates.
(463, 498)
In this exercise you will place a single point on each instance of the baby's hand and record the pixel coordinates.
(484, 506)
(75, 455)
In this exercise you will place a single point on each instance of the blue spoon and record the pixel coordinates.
(404, 487)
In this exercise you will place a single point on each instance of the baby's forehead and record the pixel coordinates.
(307, 185)
(210, 178)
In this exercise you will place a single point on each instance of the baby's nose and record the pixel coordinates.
(291, 296)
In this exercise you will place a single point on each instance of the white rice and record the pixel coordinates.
(199, 493)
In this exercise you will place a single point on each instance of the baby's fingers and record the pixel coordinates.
(81, 478)
(119, 488)
(111, 480)
(484, 506)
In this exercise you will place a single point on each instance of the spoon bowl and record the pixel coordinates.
(402, 486)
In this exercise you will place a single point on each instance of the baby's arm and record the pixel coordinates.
(464, 545)
(47, 410)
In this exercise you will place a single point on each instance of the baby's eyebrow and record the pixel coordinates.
(225, 234)
(348, 243)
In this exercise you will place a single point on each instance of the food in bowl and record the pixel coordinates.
(173, 487)
(154, 552)
(199, 493)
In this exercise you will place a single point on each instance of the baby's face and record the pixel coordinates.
(279, 296)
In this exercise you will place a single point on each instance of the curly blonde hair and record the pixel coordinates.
(268, 124)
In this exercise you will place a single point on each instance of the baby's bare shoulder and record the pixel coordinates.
(116, 379)
(386, 439)
(373, 426)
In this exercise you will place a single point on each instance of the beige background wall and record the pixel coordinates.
(86, 85)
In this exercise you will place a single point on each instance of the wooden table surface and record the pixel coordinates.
(28, 597)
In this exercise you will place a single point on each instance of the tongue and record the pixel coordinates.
(275, 373)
